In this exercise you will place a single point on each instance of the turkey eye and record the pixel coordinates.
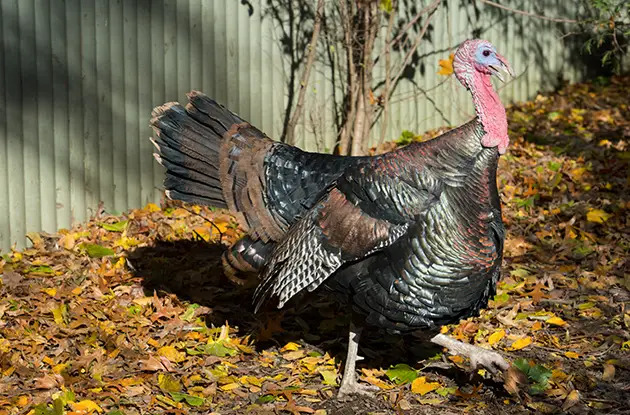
(486, 53)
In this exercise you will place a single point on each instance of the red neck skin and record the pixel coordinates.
(490, 111)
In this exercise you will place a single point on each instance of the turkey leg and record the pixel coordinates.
(478, 356)
(349, 384)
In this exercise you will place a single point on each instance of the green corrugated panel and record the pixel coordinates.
(78, 80)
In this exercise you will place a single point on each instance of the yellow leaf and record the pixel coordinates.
(597, 216)
(126, 242)
(152, 207)
(521, 343)
(421, 386)
(294, 355)
(60, 314)
(85, 406)
(67, 241)
(251, 380)
(536, 326)
(59, 368)
(577, 173)
(496, 337)
(22, 401)
(330, 377)
(430, 401)
(50, 291)
(77, 291)
(572, 355)
(557, 321)
(221, 226)
(169, 383)
(446, 65)
(48, 361)
(229, 386)
(290, 346)
(558, 375)
(120, 264)
(172, 354)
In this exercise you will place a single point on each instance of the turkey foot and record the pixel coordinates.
(479, 357)
(349, 383)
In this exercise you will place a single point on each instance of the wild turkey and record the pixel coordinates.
(413, 238)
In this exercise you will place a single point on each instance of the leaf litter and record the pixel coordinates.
(132, 314)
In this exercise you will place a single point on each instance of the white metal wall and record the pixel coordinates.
(78, 80)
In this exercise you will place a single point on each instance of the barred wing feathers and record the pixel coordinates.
(355, 218)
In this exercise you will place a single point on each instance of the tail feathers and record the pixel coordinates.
(188, 142)
(244, 259)
(213, 157)
(210, 113)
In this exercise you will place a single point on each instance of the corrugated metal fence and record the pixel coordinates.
(78, 80)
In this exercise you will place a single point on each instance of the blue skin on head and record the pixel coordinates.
(489, 60)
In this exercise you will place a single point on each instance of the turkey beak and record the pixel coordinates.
(502, 68)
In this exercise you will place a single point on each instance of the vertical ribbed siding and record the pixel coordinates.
(78, 80)
(5, 230)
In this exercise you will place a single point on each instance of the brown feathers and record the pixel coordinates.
(348, 228)
(241, 173)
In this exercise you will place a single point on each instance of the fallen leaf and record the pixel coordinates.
(330, 377)
(96, 251)
(609, 372)
(401, 373)
(169, 383)
(115, 227)
(495, 337)
(421, 386)
(297, 354)
(572, 398)
(557, 321)
(290, 347)
(521, 343)
(85, 406)
(189, 399)
(45, 382)
(172, 354)
(515, 380)
(597, 216)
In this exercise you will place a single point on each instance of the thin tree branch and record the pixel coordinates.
(431, 11)
(524, 13)
(299, 106)
(390, 26)
(412, 22)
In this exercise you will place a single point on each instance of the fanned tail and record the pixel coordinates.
(188, 142)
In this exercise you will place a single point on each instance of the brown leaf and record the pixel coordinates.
(151, 365)
(572, 399)
(12, 280)
(609, 372)
(46, 382)
(515, 380)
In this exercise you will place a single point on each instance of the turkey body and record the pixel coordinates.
(412, 238)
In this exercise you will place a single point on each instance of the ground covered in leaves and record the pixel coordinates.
(132, 314)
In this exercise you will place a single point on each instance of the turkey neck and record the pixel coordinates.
(490, 111)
